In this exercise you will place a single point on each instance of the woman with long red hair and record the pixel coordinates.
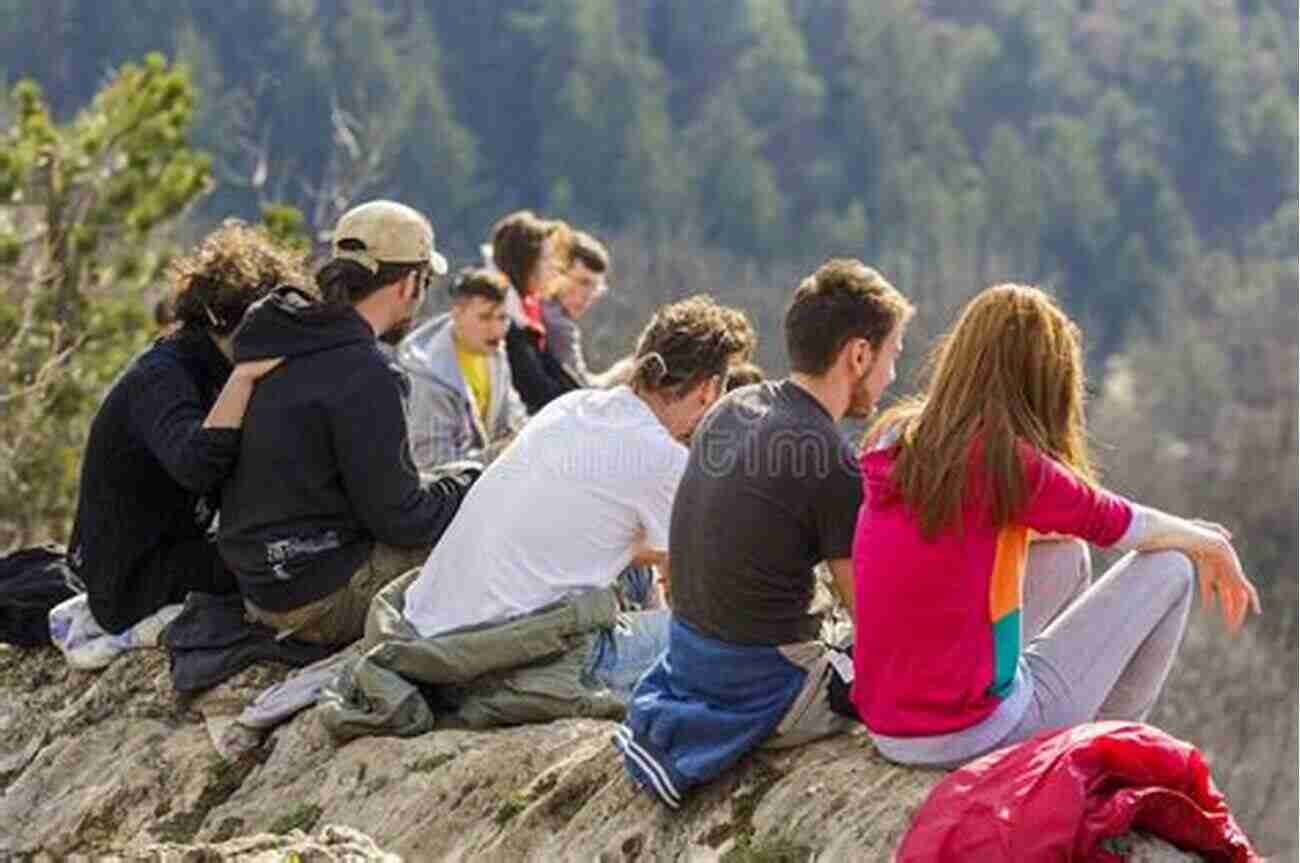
(977, 622)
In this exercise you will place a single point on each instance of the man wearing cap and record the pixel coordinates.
(324, 507)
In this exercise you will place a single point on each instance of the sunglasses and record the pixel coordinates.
(425, 281)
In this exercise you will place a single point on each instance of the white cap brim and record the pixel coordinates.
(438, 263)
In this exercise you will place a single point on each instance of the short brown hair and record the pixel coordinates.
(479, 282)
(844, 299)
(589, 251)
(685, 343)
(232, 268)
(518, 241)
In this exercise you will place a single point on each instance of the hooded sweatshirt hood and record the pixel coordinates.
(442, 414)
(289, 322)
(430, 352)
(323, 472)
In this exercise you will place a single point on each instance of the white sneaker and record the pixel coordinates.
(85, 644)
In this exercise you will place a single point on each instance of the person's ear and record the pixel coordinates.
(712, 390)
(862, 356)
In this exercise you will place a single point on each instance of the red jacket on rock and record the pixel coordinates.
(1057, 795)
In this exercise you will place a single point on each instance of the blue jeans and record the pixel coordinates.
(619, 656)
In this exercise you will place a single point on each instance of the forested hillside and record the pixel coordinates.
(1092, 144)
(1138, 158)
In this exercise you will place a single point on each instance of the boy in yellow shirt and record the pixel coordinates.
(461, 399)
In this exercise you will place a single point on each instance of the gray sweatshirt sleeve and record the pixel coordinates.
(564, 342)
(436, 425)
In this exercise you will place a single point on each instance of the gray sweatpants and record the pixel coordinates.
(1103, 650)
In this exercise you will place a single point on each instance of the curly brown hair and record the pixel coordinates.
(688, 342)
(232, 268)
(743, 374)
(743, 329)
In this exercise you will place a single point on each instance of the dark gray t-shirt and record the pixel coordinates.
(770, 490)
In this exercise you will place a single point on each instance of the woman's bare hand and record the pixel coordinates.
(1218, 568)
(1221, 575)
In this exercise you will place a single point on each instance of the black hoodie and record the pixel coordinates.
(149, 480)
(537, 375)
(324, 466)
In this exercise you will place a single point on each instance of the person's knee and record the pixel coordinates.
(1081, 556)
(1067, 555)
(1175, 571)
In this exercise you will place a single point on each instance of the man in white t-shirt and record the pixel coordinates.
(585, 490)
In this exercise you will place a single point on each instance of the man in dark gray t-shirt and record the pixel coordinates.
(770, 491)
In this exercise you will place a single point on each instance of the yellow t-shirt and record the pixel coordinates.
(474, 367)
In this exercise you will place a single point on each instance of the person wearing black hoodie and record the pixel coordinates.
(167, 434)
(325, 506)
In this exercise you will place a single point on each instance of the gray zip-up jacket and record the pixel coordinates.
(440, 415)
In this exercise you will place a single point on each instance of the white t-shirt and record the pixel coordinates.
(556, 514)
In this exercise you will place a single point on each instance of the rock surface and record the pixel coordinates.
(332, 844)
(114, 766)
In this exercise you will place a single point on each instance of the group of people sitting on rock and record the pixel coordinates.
(534, 540)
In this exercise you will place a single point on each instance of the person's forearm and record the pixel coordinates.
(842, 581)
(1156, 530)
(228, 412)
(1209, 547)
(665, 581)
(644, 555)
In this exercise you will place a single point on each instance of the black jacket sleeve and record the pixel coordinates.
(167, 413)
(538, 377)
(370, 442)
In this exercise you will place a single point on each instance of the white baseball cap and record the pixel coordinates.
(388, 233)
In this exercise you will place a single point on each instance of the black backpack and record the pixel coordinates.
(32, 581)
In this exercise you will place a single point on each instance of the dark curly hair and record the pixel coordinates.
(688, 342)
(232, 268)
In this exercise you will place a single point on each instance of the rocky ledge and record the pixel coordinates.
(113, 766)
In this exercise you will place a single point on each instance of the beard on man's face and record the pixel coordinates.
(396, 332)
(861, 403)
